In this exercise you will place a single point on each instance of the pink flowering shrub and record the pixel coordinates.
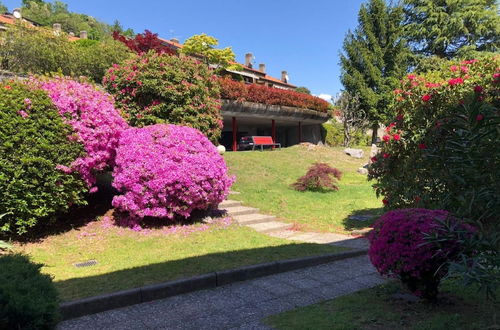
(165, 171)
(398, 248)
(95, 121)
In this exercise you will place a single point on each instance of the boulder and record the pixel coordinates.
(362, 170)
(356, 153)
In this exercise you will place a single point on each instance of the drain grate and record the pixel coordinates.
(86, 263)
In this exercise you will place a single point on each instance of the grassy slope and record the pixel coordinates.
(128, 259)
(263, 179)
(375, 309)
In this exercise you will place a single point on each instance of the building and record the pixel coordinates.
(287, 125)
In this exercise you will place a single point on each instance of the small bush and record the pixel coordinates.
(236, 90)
(165, 171)
(33, 145)
(95, 121)
(28, 299)
(398, 248)
(161, 88)
(319, 177)
(334, 134)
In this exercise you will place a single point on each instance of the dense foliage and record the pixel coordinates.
(38, 51)
(236, 90)
(144, 42)
(449, 29)
(319, 177)
(203, 45)
(34, 144)
(334, 135)
(28, 299)
(375, 57)
(160, 88)
(398, 248)
(441, 151)
(95, 121)
(166, 171)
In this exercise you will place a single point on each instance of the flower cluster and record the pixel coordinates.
(234, 90)
(95, 121)
(398, 248)
(165, 171)
(160, 88)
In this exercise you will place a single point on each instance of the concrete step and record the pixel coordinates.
(229, 203)
(269, 227)
(241, 210)
(248, 219)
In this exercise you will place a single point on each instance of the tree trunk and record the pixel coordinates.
(374, 133)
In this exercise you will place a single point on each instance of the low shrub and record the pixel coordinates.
(95, 121)
(168, 171)
(28, 299)
(334, 136)
(161, 88)
(319, 177)
(34, 147)
(237, 90)
(399, 248)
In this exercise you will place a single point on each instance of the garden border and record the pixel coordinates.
(101, 303)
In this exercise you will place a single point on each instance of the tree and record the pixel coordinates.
(117, 26)
(454, 28)
(302, 89)
(3, 9)
(144, 42)
(204, 46)
(353, 118)
(374, 59)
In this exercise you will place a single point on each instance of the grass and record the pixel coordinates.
(458, 308)
(264, 178)
(128, 259)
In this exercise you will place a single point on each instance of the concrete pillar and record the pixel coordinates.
(273, 131)
(300, 132)
(83, 35)
(235, 135)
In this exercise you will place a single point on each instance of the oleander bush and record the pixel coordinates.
(96, 123)
(161, 88)
(34, 145)
(168, 171)
(319, 177)
(27, 50)
(28, 299)
(399, 249)
(237, 90)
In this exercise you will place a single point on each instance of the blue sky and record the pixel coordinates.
(299, 36)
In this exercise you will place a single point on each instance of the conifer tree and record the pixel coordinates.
(374, 59)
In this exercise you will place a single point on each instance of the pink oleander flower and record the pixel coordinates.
(23, 113)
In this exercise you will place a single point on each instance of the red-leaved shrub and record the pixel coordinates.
(165, 171)
(399, 248)
(319, 177)
(235, 90)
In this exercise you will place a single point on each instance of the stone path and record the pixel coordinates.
(241, 305)
(269, 225)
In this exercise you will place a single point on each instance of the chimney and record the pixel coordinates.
(83, 35)
(284, 76)
(57, 28)
(248, 60)
(175, 40)
(262, 67)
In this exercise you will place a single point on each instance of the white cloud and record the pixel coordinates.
(326, 97)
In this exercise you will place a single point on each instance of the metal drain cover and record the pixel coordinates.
(86, 263)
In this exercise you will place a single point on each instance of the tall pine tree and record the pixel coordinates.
(374, 59)
(452, 28)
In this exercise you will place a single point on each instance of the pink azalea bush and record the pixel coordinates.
(95, 121)
(399, 248)
(165, 171)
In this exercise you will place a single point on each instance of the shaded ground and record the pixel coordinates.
(264, 179)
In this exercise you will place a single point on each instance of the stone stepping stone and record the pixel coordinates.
(241, 210)
(229, 203)
(249, 219)
(268, 227)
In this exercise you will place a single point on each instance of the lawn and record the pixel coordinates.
(458, 308)
(263, 180)
(128, 259)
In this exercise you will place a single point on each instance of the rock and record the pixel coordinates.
(356, 153)
(363, 171)
(221, 149)
(374, 150)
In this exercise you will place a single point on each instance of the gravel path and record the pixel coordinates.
(241, 305)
